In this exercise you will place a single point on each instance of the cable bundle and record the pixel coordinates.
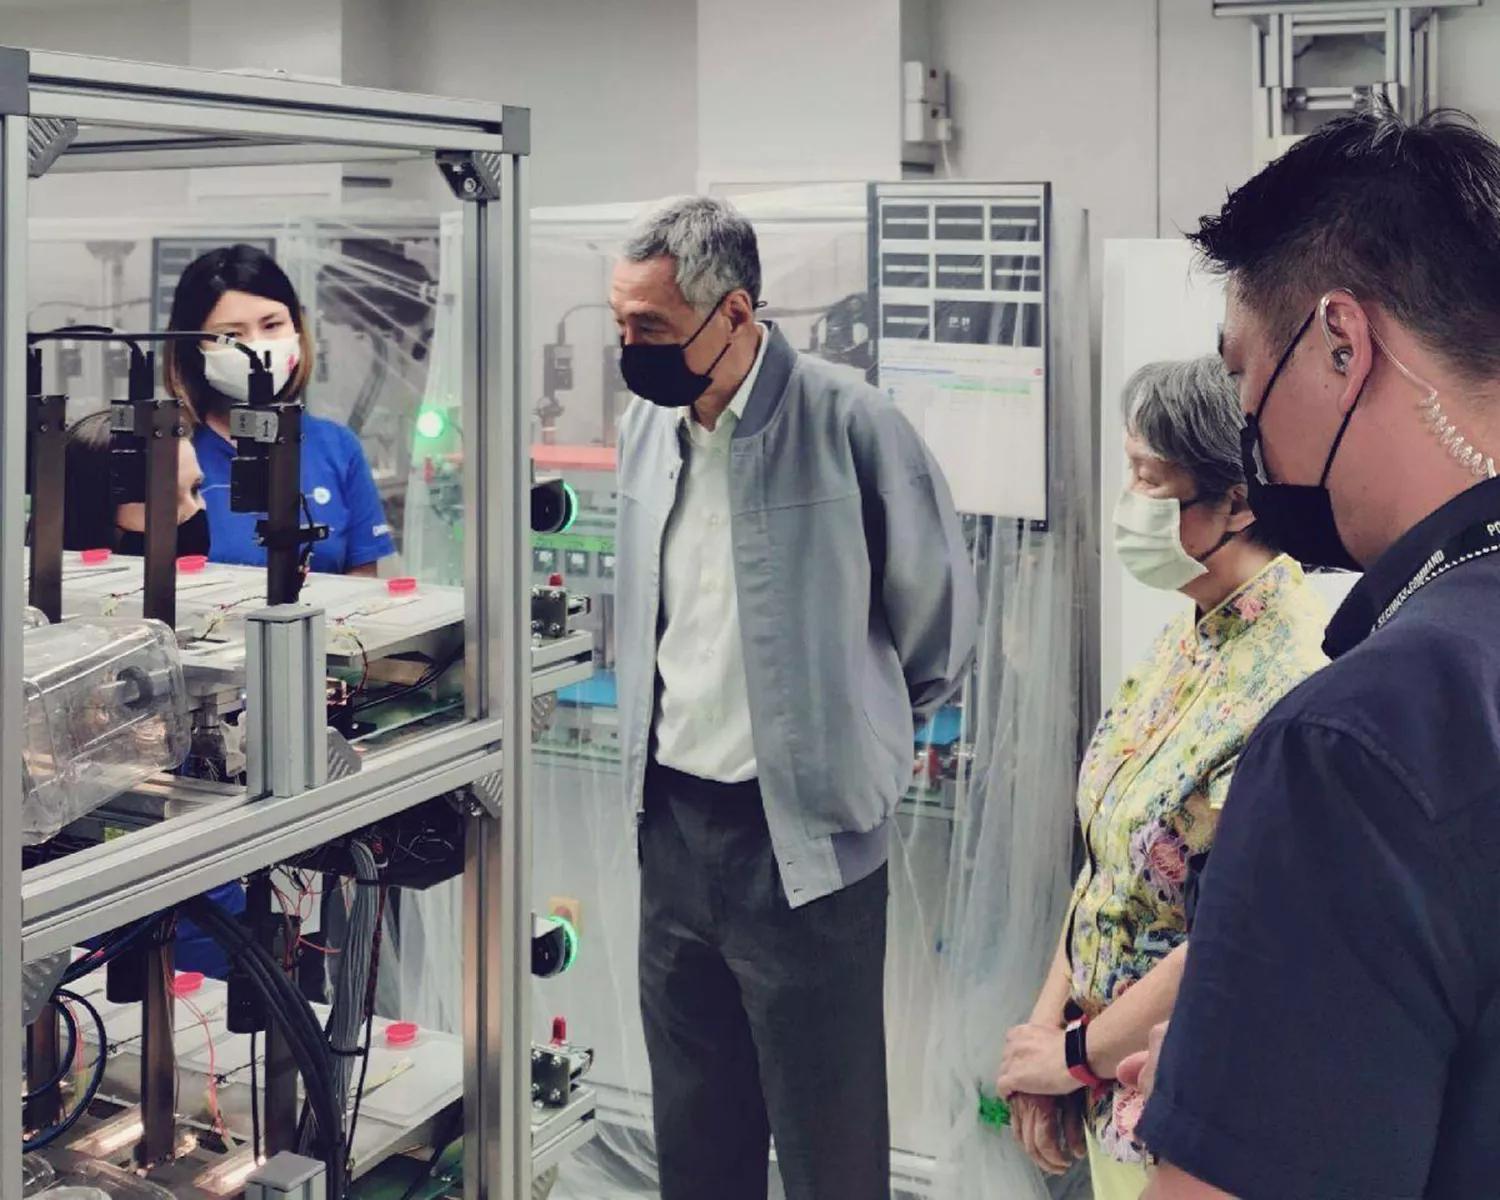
(296, 1018)
(352, 984)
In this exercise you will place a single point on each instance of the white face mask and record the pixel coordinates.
(1148, 538)
(228, 370)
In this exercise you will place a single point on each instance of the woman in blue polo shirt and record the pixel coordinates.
(240, 291)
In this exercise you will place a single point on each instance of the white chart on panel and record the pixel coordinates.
(960, 276)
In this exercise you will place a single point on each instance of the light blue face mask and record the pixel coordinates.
(1148, 539)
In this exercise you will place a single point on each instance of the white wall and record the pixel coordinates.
(148, 30)
(791, 91)
(1061, 91)
(301, 37)
(612, 84)
(1469, 49)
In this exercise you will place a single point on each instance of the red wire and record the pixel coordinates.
(213, 1066)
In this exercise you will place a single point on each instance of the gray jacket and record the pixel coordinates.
(857, 605)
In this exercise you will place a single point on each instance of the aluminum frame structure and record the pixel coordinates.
(1409, 77)
(65, 112)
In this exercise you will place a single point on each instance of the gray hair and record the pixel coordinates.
(712, 244)
(1188, 413)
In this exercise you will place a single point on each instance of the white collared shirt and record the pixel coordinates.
(703, 718)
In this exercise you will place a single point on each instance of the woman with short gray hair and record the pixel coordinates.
(1157, 771)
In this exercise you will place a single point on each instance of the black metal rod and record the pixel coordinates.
(278, 933)
(163, 430)
(284, 509)
(158, 1061)
(46, 444)
(103, 333)
(43, 1052)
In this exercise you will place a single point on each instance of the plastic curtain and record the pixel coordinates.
(978, 889)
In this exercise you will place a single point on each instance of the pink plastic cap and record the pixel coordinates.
(92, 558)
(191, 563)
(401, 585)
(400, 1033)
(187, 982)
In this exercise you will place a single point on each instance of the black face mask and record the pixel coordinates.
(192, 538)
(661, 374)
(1297, 518)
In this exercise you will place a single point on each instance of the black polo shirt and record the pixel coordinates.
(1337, 1036)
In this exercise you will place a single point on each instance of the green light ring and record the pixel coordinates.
(570, 941)
(572, 506)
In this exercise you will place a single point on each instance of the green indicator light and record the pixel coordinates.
(430, 424)
(570, 941)
(572, 507)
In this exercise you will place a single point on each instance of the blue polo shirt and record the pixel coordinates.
(340, 492)
(1337, 1034)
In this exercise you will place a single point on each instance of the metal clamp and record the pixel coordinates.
(471, 176)
(258, 424)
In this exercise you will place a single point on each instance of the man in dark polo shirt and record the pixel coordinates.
(1337, 1035)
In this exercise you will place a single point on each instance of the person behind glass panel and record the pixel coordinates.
(92, 520)
(241, 291)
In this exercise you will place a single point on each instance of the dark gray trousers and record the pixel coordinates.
(761, 1020)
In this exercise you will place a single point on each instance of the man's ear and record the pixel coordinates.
(1349, 342)
(740, 309)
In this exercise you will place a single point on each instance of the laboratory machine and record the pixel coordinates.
(224, 779)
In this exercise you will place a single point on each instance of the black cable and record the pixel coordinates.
(46, 1137)
(294, 1017)
(65, 1059)
(105, 954)
(428, 677)
(292, 1012)
(359, 1094)
(254, 1102)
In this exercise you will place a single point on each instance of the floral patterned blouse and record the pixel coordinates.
(1155, 777)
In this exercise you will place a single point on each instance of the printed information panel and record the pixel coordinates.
(959, 273)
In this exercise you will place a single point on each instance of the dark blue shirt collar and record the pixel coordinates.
(1395, 568)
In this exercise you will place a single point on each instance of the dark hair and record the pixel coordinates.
(238, 268)
(1406, 215)
(88, 508)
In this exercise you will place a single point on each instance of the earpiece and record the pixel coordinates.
(1341, 360)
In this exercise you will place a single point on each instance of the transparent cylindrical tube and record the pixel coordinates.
(106, 708)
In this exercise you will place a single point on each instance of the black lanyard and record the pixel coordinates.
(1477, 541)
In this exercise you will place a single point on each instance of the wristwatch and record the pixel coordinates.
(1076, 1047)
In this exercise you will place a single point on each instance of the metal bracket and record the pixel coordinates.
(488, 792)
(258, 424)
(343, 759)
(46, 139)
(471, 176)
(15, 82)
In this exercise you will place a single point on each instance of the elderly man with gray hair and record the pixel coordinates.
(793, 598)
